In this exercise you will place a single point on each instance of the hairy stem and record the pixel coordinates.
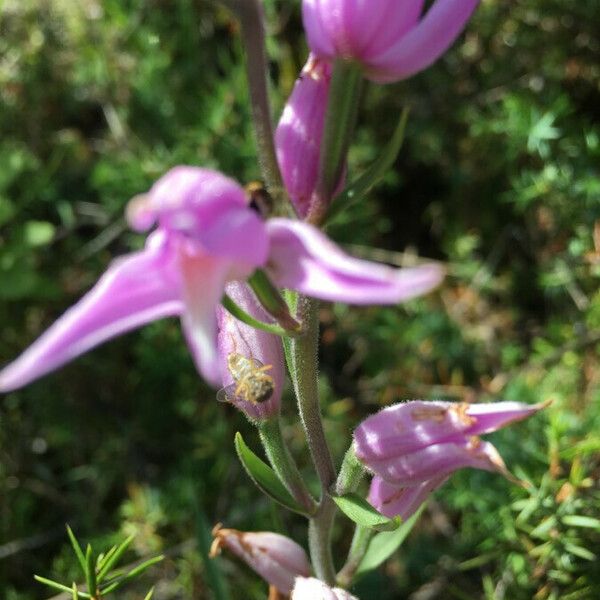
(283, 464)
(360, 544)
(250, 13)
(304, 358)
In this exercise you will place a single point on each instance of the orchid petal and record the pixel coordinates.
(205, 206)
(425, 43)
(135, 290)
(203, 281)
(490, 417)
(394, 501)
(304, 259)
(438, 460)
(409, 426)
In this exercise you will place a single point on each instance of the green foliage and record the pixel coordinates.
(100, 572)
(264, 477)
(497, 178)
(358, 510)
(384, 544)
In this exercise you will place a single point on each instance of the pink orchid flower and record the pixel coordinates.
(387, 37)
(421, 443)
(276, 558)
(206, 236)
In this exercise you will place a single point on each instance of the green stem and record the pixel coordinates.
(304, 359)
(319, 540)
(283, 464)
(358, 548)
(340, 121)
(250, 13)
(304, 351)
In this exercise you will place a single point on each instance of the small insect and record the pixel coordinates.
(252, 382)
(259, 198)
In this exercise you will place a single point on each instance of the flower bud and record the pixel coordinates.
(387, 37)
(276, 558)
(409, 444)
(314, 589)
(251, 360)
(299, 133)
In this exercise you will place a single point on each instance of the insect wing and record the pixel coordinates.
(227, 394)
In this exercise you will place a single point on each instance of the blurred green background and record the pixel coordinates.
(499, 179)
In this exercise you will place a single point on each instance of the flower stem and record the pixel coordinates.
(283, 464)
(358, 548)
(250, 13)
(304, 358)
(340, 121)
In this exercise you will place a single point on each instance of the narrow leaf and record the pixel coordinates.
(58, 586)
(76, 548)
(373, 175)
(241, 315)
(383, 545)
(75, 595)
(579, 551)
(357, 509)
(90, 572)
(149, 595)
(113, 558)
(581, 521)
(264, 477)
(104, 557)
(132, 575)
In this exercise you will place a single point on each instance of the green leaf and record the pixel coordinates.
(90, 571)
(77, 549)
(38, 233)
(241, 315)
(264, 477)
(373, 175)
(357, 509)
(149, 595)
(132, 575)
(75, 594)
(112, 558)
(579, 551)
(58, 586)
(383, 545)
(581, 521)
